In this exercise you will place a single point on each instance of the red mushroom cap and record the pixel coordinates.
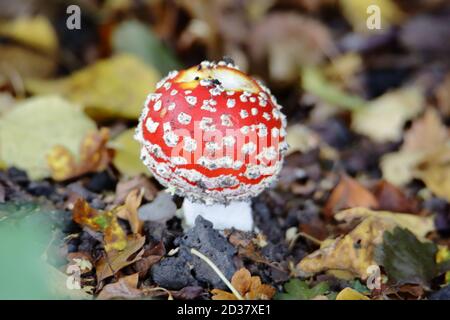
(212, 134)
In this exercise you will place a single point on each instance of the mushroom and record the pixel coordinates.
(216, 137)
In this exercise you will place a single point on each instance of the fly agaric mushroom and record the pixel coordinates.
(216, 136)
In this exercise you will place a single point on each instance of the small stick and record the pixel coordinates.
(219, 273)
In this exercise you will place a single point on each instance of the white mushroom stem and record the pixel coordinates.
(237, 214)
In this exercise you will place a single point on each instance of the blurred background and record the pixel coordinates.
(366, 91)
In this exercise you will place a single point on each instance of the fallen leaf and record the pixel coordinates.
(150, 256)
(129, 211)
(434, 171)
(383, 119)
(94, 157)
(391, 198)
(124, 288)
(407, 260)
(398, 167)
(30, 131)
(114, 87)
(35, 31)
(127, 151)
(296, 289)
(418, 225)
(106, 222)
(284, 42)
(136, 38)
(350, 294)
(124, 187)
(115, 260)
(349, 193)
(315, 82)
(250, 287)
(352, 252)
(302, 139)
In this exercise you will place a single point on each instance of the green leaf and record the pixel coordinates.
(358, 286)
(299, 290)
(135, 38)
(405, 259)
(32, 128)
(315, 82)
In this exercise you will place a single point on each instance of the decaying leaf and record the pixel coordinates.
(30, 131)
(250, 287)
(129, 211)
(383, 119)
(94, 156)
(353, 252)
(424, 141)
(407, 260)
(115, 260)
(115, 87)
(350, 294)
(124, 187)
(126, 158)
(124, 288)
(296, 289)
(349, 193)
(418, 225)
(434, 171)
(105, 222)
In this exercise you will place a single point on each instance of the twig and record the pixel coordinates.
(306, 236)
(219, 273)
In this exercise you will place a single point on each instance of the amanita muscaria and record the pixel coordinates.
(217, 137)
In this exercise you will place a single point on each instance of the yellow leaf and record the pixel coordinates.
(30, 131)
(127, 151)
(353, 252)
(114, 87)
(383, 118)
(94, 156)
(36, 32)
(350, 294)
(418, 225)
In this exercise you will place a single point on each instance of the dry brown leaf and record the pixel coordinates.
(391, 198)
(116, 260)
(250, 287)
(349, 193)
(149, 258)
(129, 211)
(125, 287)
(124, 187)
(94, 156)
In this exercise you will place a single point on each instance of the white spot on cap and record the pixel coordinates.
(191, 100)
(207, 124)
(226, 120)
(173, 92)
(248, 148)
(243, 113)
(254, 111)
(171, 106)
(262, 132)
(231, 103)
(151, 125)
(157, 105)
(229, 141)
(252, 99)
(170, 138)
(275, 132)
(267, 116)
(184, 118)
(190, 144)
